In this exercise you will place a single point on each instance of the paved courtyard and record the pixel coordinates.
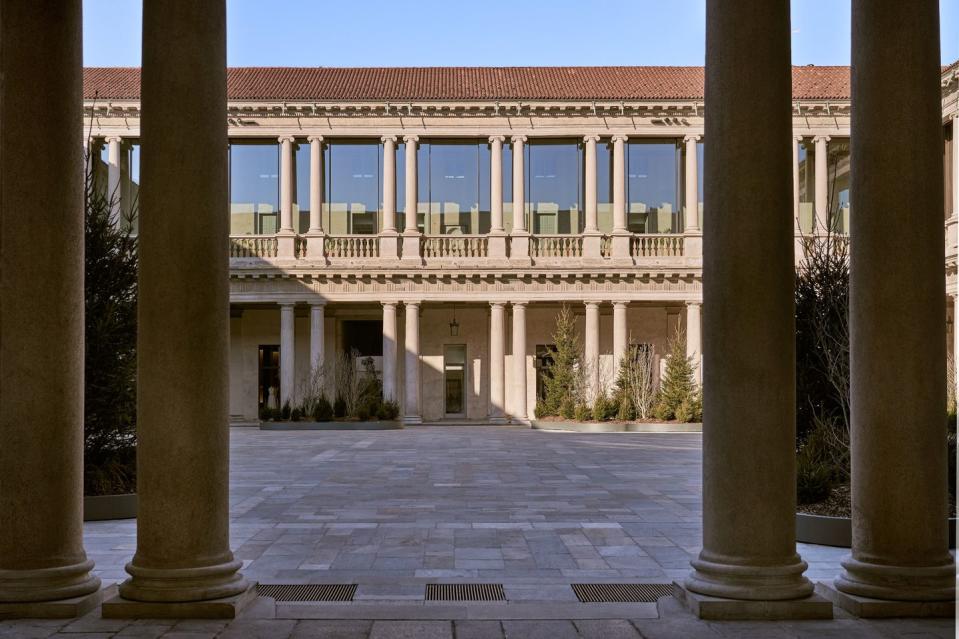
(393, 510)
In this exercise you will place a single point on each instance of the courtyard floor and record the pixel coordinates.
(393, 510)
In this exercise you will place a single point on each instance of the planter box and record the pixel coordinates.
(616, 427)
(303, 425)
(837, 531)
(103, 507)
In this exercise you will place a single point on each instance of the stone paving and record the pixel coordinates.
(394, 510)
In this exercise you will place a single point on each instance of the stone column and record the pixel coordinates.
(183, 446)
(411, 233)
(315, 237)
(497, 362)
(822, 184)
(389, 244)
(519, 238)
(797, 140)
(113, 178)
(955, 340)
(389, 351)
(749, 438)
(411, 369)
(620, 334)
(900, 545)
(286, 240)
(694, 337)
(287, 352)
(955, 165)
(621, 234)
(317, 336)
(41, 314)
(519, 363)
(591, 348)
(692, 184)
(497, 233)
(592, 239)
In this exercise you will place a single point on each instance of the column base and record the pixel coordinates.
(898, 583)
(498, 419)
(412, 419)
(42, 585)
(869, 608)
(719, 608)
(169, 585)
(117, 607)
(731, 578)
(521, 421)
(54, 609)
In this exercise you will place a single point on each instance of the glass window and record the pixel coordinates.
(254, 187)
(838, 184)
(807, 184)
(554, 179)
(400, 185)
(652, 186)
(130, 184)
(353, 187)
(604, 185)
(508, 185)
(454, 187)
(301, 187)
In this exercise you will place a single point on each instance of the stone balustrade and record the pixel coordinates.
(253, 246)
(656, 246)
(556, 246)
(446, 246)
(352, 246)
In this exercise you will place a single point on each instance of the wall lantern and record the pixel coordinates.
(454, 325)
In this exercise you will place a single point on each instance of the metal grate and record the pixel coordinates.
(621, 593)
(465, 592)
(307, 592)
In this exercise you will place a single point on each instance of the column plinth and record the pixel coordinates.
(44, 571)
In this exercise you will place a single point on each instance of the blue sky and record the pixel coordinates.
(481, 33)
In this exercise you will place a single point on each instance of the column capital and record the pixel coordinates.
(620, 137)
(388, 138)
(692, 137)
(497, 138)
(798, 138)
(314, 138)
(518, 138)
(112, 138)
(591, 138)
(317, 303)
(411, 139)
(620, 302)
(694, 303)
(591, 304)
(285, 138)
(413, 304)
(389, 304)
(519, 302)
(286, 304)
(821, 138)
(498, 304)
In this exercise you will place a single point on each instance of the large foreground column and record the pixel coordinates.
(497, 362)
(900, 548)
(519, 362)
(41, 313)
(183, 545)
(749, 481)
(411, 369)
(389, 351)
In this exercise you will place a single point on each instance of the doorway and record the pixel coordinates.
(454, 375)
(268, 385)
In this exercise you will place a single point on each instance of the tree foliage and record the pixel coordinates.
(562, 381)
(679, 396)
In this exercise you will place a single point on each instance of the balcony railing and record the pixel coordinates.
(253, 246)
(453, 246)
(656, 246)
(556, 246)
(352, 246)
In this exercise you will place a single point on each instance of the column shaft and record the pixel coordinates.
(41, 305)
(694, 337)
(795, 147)
(519, 362)
(749, 437)
(619, 184)
(183, 446)
(496, 184)
(590, 186)
(287, 353)
(519, 185)
(497, 361)
(692, 183)
(389, 351)
(389, 183)
(316, 183)
(822, 184)
(113, 178)
(620, 335)
(899, 535)
(955, 165)
(591, 349)
(317, 337)
(411, 196)
(286, 185)
(411, 370)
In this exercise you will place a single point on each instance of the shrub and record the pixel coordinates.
(635, 378)
(612, 408)
(691, 410)
(679, 382)
(363, 412)
(339, 407)
(322, 410)
(601, 408)
(567, 408)
(582, 413)
(626, 411)
(561, 375)
(296, 414)
(266, 413)
(286, 410)
(388, 410)
(814, 480)
(539, 411)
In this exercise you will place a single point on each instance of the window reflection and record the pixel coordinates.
(254, 187)
(807, 184)
(837, 184)
(604, 185)
(301, 187)
(454, 189)
(554, 179)
(353, 187)
(652, 186)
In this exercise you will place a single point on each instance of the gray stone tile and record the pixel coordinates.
(473, 629)
(539, 629)
(606, 629)
(412, 630)
(334, 629)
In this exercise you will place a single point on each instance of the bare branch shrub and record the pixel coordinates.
(639, 370)
(346, 381)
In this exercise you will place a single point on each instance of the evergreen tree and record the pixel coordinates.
(110, 334)
(561, 380)
(678, 385)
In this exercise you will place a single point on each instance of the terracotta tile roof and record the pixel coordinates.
(466, 83)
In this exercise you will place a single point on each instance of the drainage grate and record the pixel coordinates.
(621, 593)
(307, 592)
(465, 592)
